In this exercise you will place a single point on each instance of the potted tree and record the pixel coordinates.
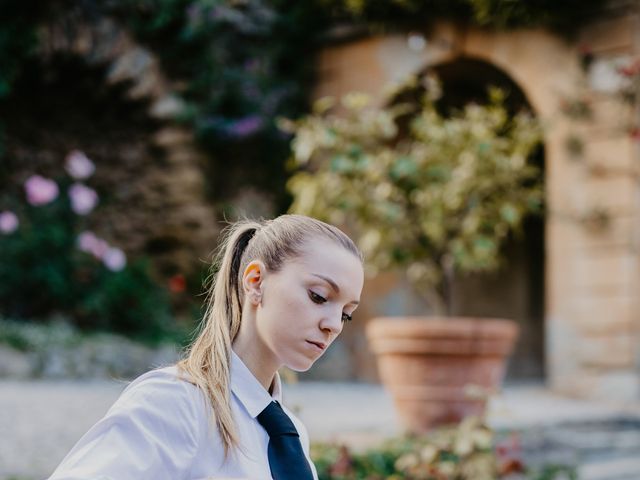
(431, 195)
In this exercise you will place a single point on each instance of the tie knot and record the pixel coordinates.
(275, 421)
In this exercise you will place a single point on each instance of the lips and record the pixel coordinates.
(321, 346)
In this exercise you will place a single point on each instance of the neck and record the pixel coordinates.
(258, 359)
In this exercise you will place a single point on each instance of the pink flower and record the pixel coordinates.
(40, 190)
(78, 165)
(86, 240)
(83, 198)
(8, 222)
(630, 70)
(114, 259)
(89, 243)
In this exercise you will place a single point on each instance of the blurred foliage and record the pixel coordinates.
(243, 63)
(424, 192)
(235, 67)
(563, 17)
(239, 64)
(467, 451)
(18, 41)
(44, 272)
(60, 350)
(32, 337)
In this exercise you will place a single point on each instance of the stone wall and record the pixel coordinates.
(595, 279)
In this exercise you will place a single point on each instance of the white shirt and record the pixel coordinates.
(158, 429)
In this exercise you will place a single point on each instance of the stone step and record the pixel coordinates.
(595, 439)
(604, 449)
(625, 468)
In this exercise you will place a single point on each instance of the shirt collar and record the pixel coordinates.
(249, 390)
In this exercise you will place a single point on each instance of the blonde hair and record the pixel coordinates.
(273, 242)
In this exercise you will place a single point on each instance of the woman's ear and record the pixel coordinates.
(252, 279)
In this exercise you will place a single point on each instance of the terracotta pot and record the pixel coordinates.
(431, 365)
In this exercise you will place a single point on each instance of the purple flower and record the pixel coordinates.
(88, 242)
(8, 222)
(40, 190)
(193, 13)
(83, 199)
(216, 13)
(252, 65)
(114, 259)
(246, 126)
(78, 165)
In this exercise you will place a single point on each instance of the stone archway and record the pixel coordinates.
(590, 307)
(159, 208)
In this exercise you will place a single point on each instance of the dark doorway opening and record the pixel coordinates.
(516, 291)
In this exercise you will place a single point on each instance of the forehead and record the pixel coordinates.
(328, 258)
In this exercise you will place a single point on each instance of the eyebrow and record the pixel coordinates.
(334, 285)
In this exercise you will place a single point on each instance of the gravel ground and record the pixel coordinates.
(41, 420)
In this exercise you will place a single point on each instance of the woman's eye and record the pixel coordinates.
(319, 299)
(316, 298)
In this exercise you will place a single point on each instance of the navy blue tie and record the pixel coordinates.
(286, 458)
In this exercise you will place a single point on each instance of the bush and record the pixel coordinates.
(467, 451)
(51, 264)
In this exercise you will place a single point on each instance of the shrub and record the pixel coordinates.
(467, 451)
(51, 264)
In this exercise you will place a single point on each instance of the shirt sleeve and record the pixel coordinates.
(151, 432)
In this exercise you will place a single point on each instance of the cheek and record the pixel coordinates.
(284, 317)
(294, 317)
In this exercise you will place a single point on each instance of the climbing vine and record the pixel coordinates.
(240, 64)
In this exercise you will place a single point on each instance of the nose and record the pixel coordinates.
(331, 324)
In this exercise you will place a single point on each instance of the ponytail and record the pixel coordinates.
(208, 358)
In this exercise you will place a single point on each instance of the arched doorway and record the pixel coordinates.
(516, 291)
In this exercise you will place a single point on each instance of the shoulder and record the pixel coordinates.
(169, 375)
(152, 431)
(163, 390)
(166, 382)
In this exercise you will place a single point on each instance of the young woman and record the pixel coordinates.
(282, 292)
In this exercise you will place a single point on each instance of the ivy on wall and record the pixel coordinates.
(562, 16)
(240, 64)
(17, 42)
(245, 64)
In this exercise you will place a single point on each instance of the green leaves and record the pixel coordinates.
(510, 214)
(461, 452)
(448, 189)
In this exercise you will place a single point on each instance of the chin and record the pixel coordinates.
(300, 365)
